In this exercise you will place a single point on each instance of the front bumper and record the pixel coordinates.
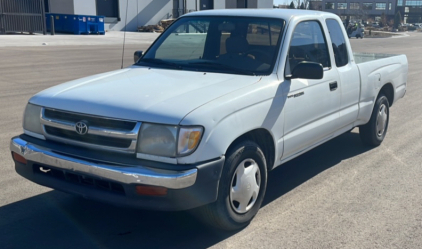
(48, 164)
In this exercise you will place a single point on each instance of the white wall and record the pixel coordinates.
(85, 7)
(150, 13)
(219, 4)
(265, 4)
(190, 4)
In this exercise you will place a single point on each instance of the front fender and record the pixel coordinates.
(233, 115)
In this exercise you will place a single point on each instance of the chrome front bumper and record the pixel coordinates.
(127, 174)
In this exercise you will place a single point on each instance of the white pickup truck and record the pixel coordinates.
(219, 99)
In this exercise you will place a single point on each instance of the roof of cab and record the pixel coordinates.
(285, 14)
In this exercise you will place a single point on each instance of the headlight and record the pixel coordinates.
(189, 138)
(31, 119)
(158, 140)
(168, 141)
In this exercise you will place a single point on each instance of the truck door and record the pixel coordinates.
(348, 72)
(312, 106)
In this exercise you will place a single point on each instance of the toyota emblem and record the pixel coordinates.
(81, 127)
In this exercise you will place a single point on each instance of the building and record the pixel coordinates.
(143, 12)
(357, 9)
(410, 10)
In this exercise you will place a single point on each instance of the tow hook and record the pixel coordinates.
(44, 170)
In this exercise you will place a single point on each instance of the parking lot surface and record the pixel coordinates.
(339, 195)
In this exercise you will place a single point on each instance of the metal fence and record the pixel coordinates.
(22, 16)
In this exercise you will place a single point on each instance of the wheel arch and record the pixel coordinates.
(388, 91)
(265, 141)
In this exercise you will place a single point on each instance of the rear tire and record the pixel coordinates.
(373, 133)
(241, 189)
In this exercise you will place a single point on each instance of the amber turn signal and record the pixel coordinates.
(19, 158)
(151, 190)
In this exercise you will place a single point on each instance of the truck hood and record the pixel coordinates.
(142, 94)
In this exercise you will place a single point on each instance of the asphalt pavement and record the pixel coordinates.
(339, 195)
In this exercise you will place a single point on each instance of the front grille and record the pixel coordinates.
(103, 133)
(79, 179)
(92, 120)
(87, 138)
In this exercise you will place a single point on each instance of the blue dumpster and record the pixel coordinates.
(76, 24)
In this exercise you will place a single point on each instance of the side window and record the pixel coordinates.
(308, 44)
(338, 43)
(255, 39)
(264, 33)
(258, 34)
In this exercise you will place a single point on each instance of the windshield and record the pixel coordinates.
(239, 45)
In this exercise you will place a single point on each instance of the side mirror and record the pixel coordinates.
(307, 70)
(137, 55)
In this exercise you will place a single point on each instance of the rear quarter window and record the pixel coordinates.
(338, 43)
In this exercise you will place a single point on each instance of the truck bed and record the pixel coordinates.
(377, 70)
(365, 57)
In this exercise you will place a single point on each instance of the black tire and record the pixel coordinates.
(221, 214)
(370, 133)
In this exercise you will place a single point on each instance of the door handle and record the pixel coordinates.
(333, 86)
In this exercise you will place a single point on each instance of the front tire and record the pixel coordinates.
(241, 189)
(373, 133)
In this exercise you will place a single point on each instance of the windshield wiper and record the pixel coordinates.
(223, 66)
(159, 62)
